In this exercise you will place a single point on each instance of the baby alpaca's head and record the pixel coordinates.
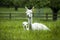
(25, 25)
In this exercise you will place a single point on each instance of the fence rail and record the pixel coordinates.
(23, 16)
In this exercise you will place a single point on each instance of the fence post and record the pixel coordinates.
(46, 16)
(10, 16)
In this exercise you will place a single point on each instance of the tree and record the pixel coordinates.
(55, 6)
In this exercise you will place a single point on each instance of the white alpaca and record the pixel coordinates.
(36, 26)
(39, 26)
(29, 15)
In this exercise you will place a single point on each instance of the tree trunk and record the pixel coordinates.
(54, 16)
(55, 10)
(16, 7)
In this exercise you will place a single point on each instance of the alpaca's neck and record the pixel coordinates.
(30, 22)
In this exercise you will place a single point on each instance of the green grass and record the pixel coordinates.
(13, 30)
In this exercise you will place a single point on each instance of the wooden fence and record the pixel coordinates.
(23, 16)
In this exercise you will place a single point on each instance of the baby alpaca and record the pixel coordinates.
(25, 26)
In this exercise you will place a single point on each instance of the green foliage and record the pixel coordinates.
(44, 10)
(36, 3)
(55, 3)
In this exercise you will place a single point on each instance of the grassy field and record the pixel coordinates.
(13, 30)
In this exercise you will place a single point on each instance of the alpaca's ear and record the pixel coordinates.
(26, 8)
(33, 8)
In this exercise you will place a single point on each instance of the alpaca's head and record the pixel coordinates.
(25, 24)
